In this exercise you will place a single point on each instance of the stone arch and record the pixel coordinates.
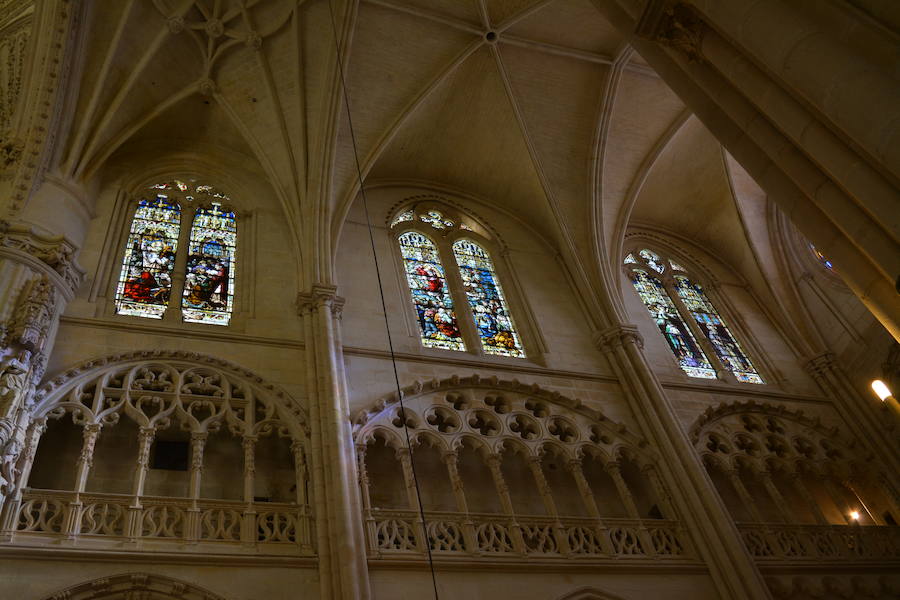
(509, 456)
(148, 586)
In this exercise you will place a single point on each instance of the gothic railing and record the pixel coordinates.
(779, 542)
(158, 522)
(397, 533)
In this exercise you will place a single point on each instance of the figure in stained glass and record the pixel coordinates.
(676, 332)
(434, 306)
(711, 324)
(145, 282)
(492, 319)
(209, 278)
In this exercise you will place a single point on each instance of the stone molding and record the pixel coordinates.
(800, 587)
(53, 255)
(589, 593)
(143, 585)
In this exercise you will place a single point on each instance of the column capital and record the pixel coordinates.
(320, 294)
(613, 337)
(51, 256)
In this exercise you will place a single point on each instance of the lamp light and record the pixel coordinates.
(854, 515)
(881, 389)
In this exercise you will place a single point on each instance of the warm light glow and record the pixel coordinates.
(880, 389)
(854, 515)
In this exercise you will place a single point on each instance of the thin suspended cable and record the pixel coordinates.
(387, 326)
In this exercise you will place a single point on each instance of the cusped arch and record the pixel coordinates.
(764, 436)
(147, 586)
(502, 415)
(154, 387)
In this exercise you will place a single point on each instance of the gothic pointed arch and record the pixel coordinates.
(148, 586)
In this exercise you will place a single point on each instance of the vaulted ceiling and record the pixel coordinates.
(538, 107)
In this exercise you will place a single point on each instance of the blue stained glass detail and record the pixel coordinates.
(208, 295)
(145, 282)
(712, 325)
(434, 307)
(495, 326)
(676, 332)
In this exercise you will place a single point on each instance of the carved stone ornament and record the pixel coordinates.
(611, 338)
(677, 25)
(135, 585)
(10, 154)
(33, 315)
(320, 294)
(57, 253)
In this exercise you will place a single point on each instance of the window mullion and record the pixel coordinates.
(173, 313)
(464, 317)
(721, 371)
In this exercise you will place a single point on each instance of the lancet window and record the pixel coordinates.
(695, 331)
(428, 234)
(170, 256)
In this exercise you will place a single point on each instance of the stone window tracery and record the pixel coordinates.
(693, 328)
(431, 236)
(181, 245)
(88, 469)
(509, 469)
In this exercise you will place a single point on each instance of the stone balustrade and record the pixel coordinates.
(159, 523)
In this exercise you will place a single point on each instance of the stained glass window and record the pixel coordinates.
(821, 257)
(427, 283)
(406, 215)
(209, 278)
(436, 219)
(146, 279)
(677, 333)
(495, 327)
(712, 325)
(653, 260)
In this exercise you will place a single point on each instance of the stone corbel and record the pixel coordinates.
(677, 25)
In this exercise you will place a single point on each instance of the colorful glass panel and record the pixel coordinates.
(208, 295)
(495, 327)
(630, 259)
(146, 279)
(653, 260)
(682, 343)
(714, 328)
(821, 257)
(406, 215)
(427, 283)
(436, 219)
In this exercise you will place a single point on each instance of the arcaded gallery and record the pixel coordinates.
(449, 299)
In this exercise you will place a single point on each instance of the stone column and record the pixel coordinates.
(248, 518)
(142, 465)
(534, 463)
(737, 483)
(459, 494)
(10, 511)
(493, 463)
(343, 571)
(366, 497)
(803, 491)
(192, 526)
(82, 469)
(302, 476)
(716, 538)
(37, 277)
(776, 496)
(590, 503)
